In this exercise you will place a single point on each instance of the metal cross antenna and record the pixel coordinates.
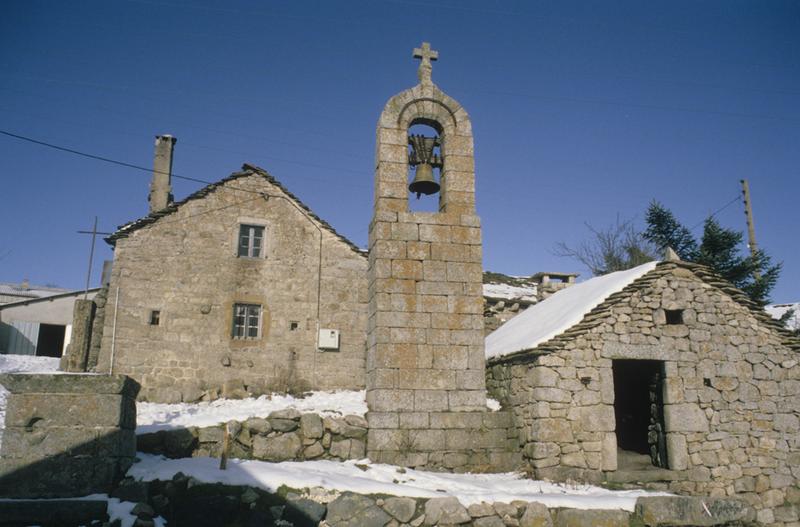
(94, 234)
(425, 68)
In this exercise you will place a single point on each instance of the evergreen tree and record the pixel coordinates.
(663, 231)
(718, 249)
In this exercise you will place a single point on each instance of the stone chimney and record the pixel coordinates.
(161, 185)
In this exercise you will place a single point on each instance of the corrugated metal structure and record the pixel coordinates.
(19, 337)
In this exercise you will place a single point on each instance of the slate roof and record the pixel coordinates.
(597, 315)
(123, 231)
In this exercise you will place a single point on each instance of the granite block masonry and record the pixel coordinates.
(66, 435)
(426, 388)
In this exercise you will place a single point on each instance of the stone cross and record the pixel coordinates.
(427, 55)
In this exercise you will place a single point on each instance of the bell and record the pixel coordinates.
(423, 181)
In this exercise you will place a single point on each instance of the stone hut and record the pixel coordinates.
(238, 289)
(663, 374)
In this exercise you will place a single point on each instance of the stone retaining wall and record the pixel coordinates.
(185, 501)
(285, 435)
(288, 435)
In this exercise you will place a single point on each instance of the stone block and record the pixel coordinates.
(677, 453)
(690, 511)
(451, 420)
(470, 380)
(434, 233)
(430, 400)
(535, 515)
(407, 269)
(418, 250)
(591, 518)
(599, 418)
(311, 426)
(553, 430)
(283, 447)
(464, 272)
(86, 409)
(378, 420)
(385, 439)
(686, 417)
(432, 379)
(467, 400)
(401, 509)
(414, 420)
(434, 271)
(405, 231)
(450, 357)
(55, 383)
(392, 400)
(445, 511)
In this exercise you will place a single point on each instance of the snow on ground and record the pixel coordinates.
(151, 417)
(776, 311)
(19, 364)
(510, 292)
(559, 312)
(372, 478)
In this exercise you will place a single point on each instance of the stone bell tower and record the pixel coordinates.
(425, 360)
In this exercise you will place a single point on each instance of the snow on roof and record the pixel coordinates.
(551, 317)
(510, 292)
(776, 311)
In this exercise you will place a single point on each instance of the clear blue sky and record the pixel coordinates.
(581, 111)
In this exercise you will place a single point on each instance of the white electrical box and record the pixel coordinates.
(329, 339)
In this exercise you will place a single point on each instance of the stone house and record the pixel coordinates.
(663, 365)
(239, 288)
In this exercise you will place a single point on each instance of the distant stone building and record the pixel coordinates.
(667, 366)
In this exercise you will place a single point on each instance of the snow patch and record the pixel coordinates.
(151, 417)
(554, 315)
(510, 292)
(373, 478)
(776, 311)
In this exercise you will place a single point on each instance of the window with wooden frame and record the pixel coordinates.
(251, 241)
(246, 321)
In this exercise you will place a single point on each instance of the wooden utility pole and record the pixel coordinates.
(751, 229)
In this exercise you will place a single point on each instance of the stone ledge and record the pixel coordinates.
(55, 383)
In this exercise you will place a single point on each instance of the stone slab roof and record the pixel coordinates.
(125, 230)
(596, 316)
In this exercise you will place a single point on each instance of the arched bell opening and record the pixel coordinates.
(425, 165)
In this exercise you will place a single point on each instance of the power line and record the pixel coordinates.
(259, 194)
(731, 202)
(116, 162)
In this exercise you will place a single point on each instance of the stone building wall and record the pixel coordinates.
(731, 393)
(185, 266)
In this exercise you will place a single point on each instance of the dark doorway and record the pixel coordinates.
(51, 340)
(638, 408)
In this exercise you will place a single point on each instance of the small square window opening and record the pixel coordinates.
(674, 316)
(293, 326)
(155, 317)
(246, 321)
(251, 241)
